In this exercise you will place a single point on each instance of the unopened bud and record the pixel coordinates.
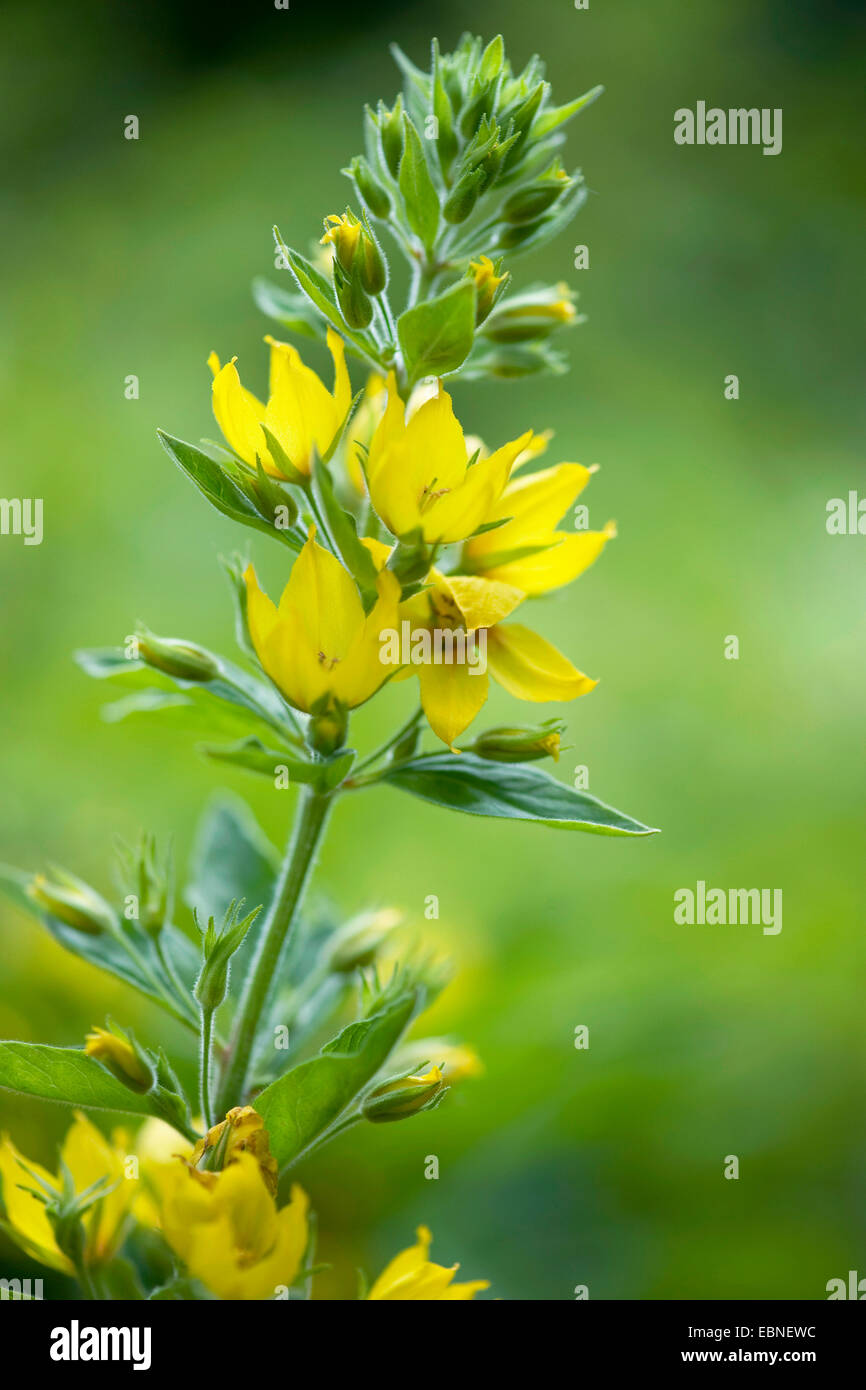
(463, 197)
(72, 902)
(408, 1095)
(374, 195)
(536, 198)
(122, 1057)
(358, 943)
(183, 660)
(520, 744)
(489, 285)
(535, 314)
(393, 135)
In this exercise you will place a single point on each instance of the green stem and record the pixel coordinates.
(312, 815)
(388, 744)
(205, 1066)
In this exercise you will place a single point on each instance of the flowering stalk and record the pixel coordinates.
(310, 821)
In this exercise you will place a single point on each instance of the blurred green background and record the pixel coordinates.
(559, 1167)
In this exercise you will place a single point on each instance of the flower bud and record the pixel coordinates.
(183, 660)
(370, 190)
(218, 947)
(393, 135)
(536, 314)
(358, 943)
(73, 902)
(463, 197)
(355, 305)
(536, 198)
(408, 1095)
(123, 1057)
(489, 285)
(505, 744)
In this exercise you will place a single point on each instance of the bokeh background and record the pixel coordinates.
(559, 1167)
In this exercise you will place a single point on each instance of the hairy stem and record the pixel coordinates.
(205, 1066)
(312, 815)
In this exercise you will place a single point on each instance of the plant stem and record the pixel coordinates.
(205, 1066)
(312, 815)
(389, 743)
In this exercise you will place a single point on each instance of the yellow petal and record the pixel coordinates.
(89, 1156)
(239, 414)
(25, 1214)
(530, 668)
(451, 697)
(301, 412)
(557, 565)
(535, 502)
(363, 671)
(407, 1263)
(479, 602)
(458, 513)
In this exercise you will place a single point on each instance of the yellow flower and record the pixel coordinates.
(412, 1276)
(120, 1057)
(301, 413)
(524, 664)
(242, 1131)
(319, 642)
(89, 1156)
(342, 234)
(527, 550)
(227, 1230)
(363, 427)
(419, 476)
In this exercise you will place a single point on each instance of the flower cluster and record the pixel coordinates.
(412, 552)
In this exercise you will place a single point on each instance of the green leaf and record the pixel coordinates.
(229, 495)
(343, 534)
(549, 120)
(143, 970)
(67, 1075)
(417, 187)
(464, 782)
(291, 311)
(299, 1107)
(233, 700)
(251, 753)
(232, 858)
(436, 336)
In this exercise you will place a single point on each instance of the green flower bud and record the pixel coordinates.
(408, 1095)
(393, 134)
(518, 744)
(536, 198)
(218, 947)
(463, 197)
(370, 190)
(72, 902)
(355, 305)
(535, 314)
(183, 660)
(358, 943)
